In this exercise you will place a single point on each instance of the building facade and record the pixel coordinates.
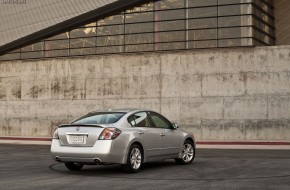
(163, 25)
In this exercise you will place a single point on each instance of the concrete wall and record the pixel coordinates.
(221, 94)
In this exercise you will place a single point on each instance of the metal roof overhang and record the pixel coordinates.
(107, 10)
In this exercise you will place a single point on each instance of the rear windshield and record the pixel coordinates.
(99, 118)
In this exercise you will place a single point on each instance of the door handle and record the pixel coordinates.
(140, 133)
(162, 134)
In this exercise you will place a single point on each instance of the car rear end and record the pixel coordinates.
(89, 144)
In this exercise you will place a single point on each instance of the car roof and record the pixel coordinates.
(125, 110)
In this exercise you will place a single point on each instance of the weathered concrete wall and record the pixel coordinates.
(224, 94)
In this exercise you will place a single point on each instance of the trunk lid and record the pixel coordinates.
(79, 134)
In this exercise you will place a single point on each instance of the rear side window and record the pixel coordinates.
(139, 120)
(99, 118)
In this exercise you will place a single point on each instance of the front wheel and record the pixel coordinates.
(134, 159)
(73, 166)
(187, 153)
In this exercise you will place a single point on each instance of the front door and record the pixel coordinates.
(170, 138)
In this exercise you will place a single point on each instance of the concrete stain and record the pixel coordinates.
(55, 87)
(224, 77)
(2, 96)
(17, 94)
(281, 56)
(33, 92)
(211, 58)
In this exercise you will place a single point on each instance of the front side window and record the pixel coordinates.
(99, 118)
(139, 120)
(159, 121)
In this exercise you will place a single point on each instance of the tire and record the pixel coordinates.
(187, 153)
(73, 166)
(134, 159)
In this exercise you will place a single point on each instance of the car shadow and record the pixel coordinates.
(115, 170)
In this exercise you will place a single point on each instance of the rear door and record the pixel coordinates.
(148, 134)
(170, 137)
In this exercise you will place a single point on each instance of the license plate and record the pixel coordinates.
(77, 139)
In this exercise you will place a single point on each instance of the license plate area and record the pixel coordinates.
(77, 138)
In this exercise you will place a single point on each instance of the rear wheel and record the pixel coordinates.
(187, 153)
(134, 159)
(74, 166)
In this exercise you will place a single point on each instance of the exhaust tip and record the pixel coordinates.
(97, 161)
(57, 159)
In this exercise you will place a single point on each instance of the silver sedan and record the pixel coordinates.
(129, 137)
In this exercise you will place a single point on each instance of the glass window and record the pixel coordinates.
(57, 53)
(235, 32)
(33, 47)
(224, 2)
(170, 36)
(169, 15)
(110, 30)
(202, 44)
(235, 21)
(83, 32)
(110, 20)
(139, 47)
(170, 46)
(110, 49)
(10, 56)
(202, 12)
(82, 42)
(202, 34)
(199, 3)
(56, 44)
(235, 42)
(142, 8)
(262, 37)
(99, 118)
(234, 10)
(159, 121)
(264, 27)
(110, 40)
(139, 38)
(139, 17)
(82, 51)
(169, 4)
(263, 16)
(35, 54)
(139, 120)
(60, 36)
(170, 25)
(202, 23)
(139, 27)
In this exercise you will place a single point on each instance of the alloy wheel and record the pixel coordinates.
(187, 152)
(135, 158)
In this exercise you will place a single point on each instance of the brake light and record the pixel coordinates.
(110, 134)
(55, 135)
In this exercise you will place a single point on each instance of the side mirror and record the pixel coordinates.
(174, 125)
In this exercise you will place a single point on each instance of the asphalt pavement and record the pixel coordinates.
(31, 167)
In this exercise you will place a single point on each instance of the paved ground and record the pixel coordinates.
(31, 167)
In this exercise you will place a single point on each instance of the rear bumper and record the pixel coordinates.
(103, 150)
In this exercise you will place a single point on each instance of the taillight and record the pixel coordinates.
(110, 133)
(55, 135)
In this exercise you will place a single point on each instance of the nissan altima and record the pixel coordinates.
(129, 137)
